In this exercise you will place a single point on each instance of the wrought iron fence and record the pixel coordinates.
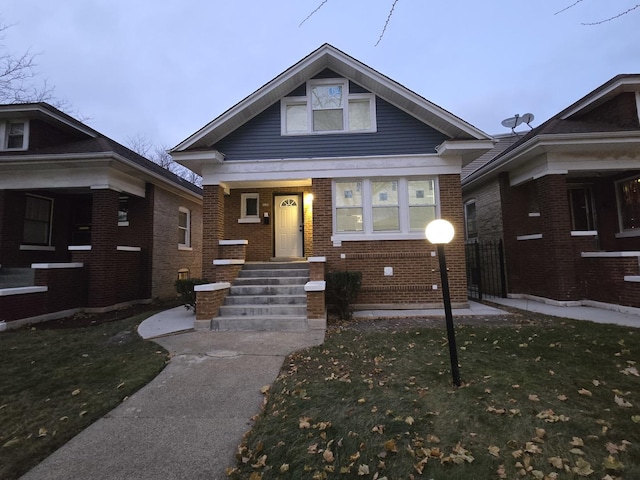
(485, 270)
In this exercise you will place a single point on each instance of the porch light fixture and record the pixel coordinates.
(440, 232)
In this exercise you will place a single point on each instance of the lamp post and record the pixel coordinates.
(439, 233)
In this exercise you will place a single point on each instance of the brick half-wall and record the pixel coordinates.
(414, 262)
(604, 280)
(212, 227)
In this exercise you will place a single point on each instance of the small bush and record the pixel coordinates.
(186, 292)
(342, 290)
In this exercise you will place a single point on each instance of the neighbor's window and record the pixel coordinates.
(470, 223)
(629, 204)
(123, 211)
(328, 108)
(37, 221)
(581, 208)
(184, 227)
(378, 206)
(250, 211)
(183, 274)
(15, 135)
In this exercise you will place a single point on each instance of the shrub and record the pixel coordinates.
(342, 289)
(186, 292)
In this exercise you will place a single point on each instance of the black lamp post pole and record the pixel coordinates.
(446, 298)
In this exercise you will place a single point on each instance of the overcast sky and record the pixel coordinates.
(163, 69)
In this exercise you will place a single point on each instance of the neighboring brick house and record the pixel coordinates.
(86, 223)
(334, 160)
(566, 199)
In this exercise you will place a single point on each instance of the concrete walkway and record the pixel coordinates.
(189, 420)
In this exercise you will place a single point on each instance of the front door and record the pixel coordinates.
(288, 226)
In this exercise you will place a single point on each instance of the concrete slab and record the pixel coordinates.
(177, 319)
(475, 308)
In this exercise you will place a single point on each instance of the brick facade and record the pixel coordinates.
(415, 266)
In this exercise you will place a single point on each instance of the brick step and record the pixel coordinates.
(270, 310)
(262, 323)
(266, 300)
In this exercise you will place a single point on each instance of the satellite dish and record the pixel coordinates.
(516, 120)
(512, 122)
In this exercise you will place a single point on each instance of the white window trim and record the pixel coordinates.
(4, 134)
(244, 218)
(367, 233)
(306, 100)
(48, 245)
(187, 244)
(622, 232)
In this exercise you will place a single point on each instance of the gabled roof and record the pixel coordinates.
(575, 124)
(330, 57)
(89, 141)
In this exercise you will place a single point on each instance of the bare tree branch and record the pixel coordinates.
(17, 74)
(311, 14)
(614, 17)
(384, 29)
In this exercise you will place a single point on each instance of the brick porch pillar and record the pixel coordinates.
(212, 227)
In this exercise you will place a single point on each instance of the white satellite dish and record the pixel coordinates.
(516, 120)
(512, 122)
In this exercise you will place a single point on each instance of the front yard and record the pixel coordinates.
(54, 382)
(542, 398)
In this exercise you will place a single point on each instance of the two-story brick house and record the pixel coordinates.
(86, 223)
(333, 160)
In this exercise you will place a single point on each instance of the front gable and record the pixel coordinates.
(392, 132)
(402, 122)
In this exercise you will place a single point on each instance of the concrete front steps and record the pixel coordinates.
(266, 296)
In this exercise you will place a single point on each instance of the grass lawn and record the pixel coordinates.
(542, 398)
(56, 382)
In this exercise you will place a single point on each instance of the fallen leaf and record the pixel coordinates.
(577, 442)
(495, 451)
(562, 398)
(262, 462)
(265, 389)
(327, 456)
(409, 420)
(534, 398)
(42, 432)
(390, 446)
(576, 451)
(304, 422)
(502, 473)
(611, 463)
(284, 467)
(622, 402)
(363, 470)
(75, 392)
(10, 443)
(120, 385)
(582, 468)
(635, 418)
(585, 392)
(556, 462)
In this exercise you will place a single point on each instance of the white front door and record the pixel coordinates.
(288, 226)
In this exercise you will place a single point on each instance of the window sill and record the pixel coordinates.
(249, 220)
(584, 233)
(629, 233)
(41, 248)
(123, 224)
(185, 248)
(535, 236)
(326, 132)
(372, 237)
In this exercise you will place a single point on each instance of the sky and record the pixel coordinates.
(160, 70)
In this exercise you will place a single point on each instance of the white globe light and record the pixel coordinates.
(439, 232)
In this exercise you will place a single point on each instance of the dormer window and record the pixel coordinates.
(15, 135)
(328, 108)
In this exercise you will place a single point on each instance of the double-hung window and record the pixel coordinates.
(328, 107)
(383, 207)
(249, 210)
(470, 222)
(184, 228)
(628, 193)
(15, 135)
(37, 221)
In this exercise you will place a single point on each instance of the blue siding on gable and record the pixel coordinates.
(398, 134)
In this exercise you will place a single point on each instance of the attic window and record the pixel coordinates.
(15, 135)
(328, 108)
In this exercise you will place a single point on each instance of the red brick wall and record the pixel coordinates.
(213, 228)
(415, 270)
(260, 236)
(604, 280)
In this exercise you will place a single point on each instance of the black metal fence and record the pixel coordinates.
(485, 270)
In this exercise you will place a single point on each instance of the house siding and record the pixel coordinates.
(398, 133)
